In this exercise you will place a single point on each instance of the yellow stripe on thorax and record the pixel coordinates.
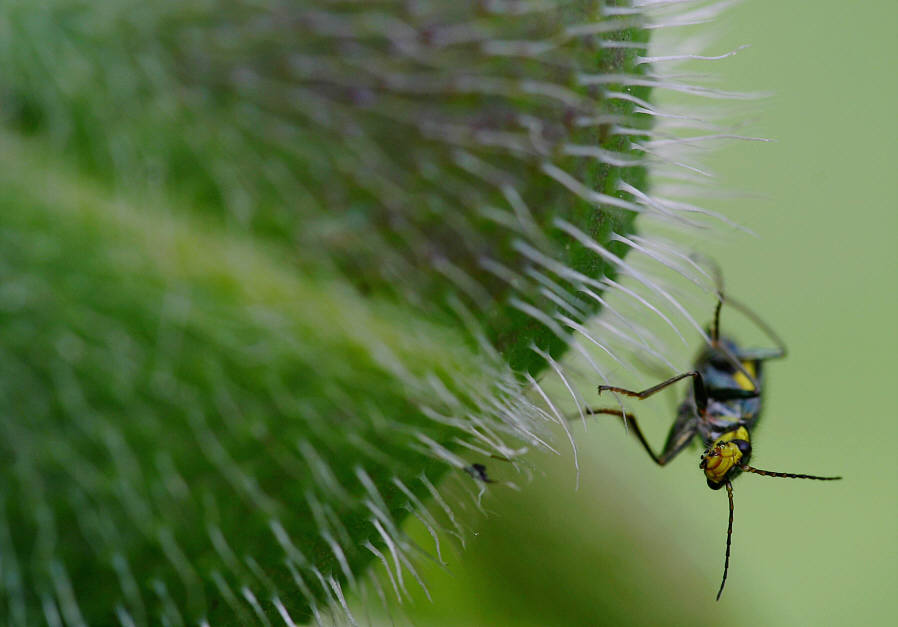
(740, 433)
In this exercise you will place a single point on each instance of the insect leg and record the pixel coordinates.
(779, 351)
(698, 385)
(715, 327)
(758, 354)
(661, 459)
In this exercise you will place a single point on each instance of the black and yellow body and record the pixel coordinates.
(722, 408)
(725, 415)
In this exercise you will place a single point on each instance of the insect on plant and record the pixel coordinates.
(722, 408)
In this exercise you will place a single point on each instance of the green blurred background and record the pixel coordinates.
(637, 544)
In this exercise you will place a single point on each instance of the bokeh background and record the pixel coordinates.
(640, 545)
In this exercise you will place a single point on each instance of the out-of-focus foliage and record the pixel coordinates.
(269, 270)
(638, 544)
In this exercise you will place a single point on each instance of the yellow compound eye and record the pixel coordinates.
(719, 460)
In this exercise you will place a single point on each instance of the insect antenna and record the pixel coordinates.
(726, 562)
(786, 475)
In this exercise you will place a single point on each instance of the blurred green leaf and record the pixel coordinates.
(270, 269)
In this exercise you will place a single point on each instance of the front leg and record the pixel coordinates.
(698, 387)
(630, 419)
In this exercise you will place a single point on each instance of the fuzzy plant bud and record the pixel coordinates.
(270, 270)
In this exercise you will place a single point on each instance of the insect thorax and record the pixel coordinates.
(722, 417)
